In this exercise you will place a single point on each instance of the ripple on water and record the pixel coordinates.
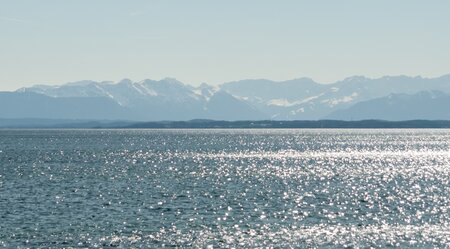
(225, 188)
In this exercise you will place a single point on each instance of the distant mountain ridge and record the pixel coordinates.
(396, 107)
(169, 99)
(308, 100)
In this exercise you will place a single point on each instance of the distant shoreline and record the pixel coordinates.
(216, 124)
(270, 124)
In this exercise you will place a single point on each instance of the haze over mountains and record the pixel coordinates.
(354, 98)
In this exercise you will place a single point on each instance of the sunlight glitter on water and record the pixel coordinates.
(314, 236)
(303, 189)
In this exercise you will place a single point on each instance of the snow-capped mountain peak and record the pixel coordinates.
(292, 99)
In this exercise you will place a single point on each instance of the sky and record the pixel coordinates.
(54, 41)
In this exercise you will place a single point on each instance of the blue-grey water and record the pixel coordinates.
(224, 188)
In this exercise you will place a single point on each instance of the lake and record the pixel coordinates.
(299, 188)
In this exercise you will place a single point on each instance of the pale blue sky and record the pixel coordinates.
(54, 41)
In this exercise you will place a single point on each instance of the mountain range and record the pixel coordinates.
(354, 98)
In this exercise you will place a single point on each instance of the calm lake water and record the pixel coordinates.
(224, 188)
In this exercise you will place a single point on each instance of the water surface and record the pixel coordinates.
(224, 188)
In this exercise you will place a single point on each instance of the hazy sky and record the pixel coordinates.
(54, 41)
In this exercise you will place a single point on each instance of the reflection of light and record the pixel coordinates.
(317, 235)
(326, 154)
(290, 163)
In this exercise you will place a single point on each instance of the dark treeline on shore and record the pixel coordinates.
(216, 124)
(294, 124)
